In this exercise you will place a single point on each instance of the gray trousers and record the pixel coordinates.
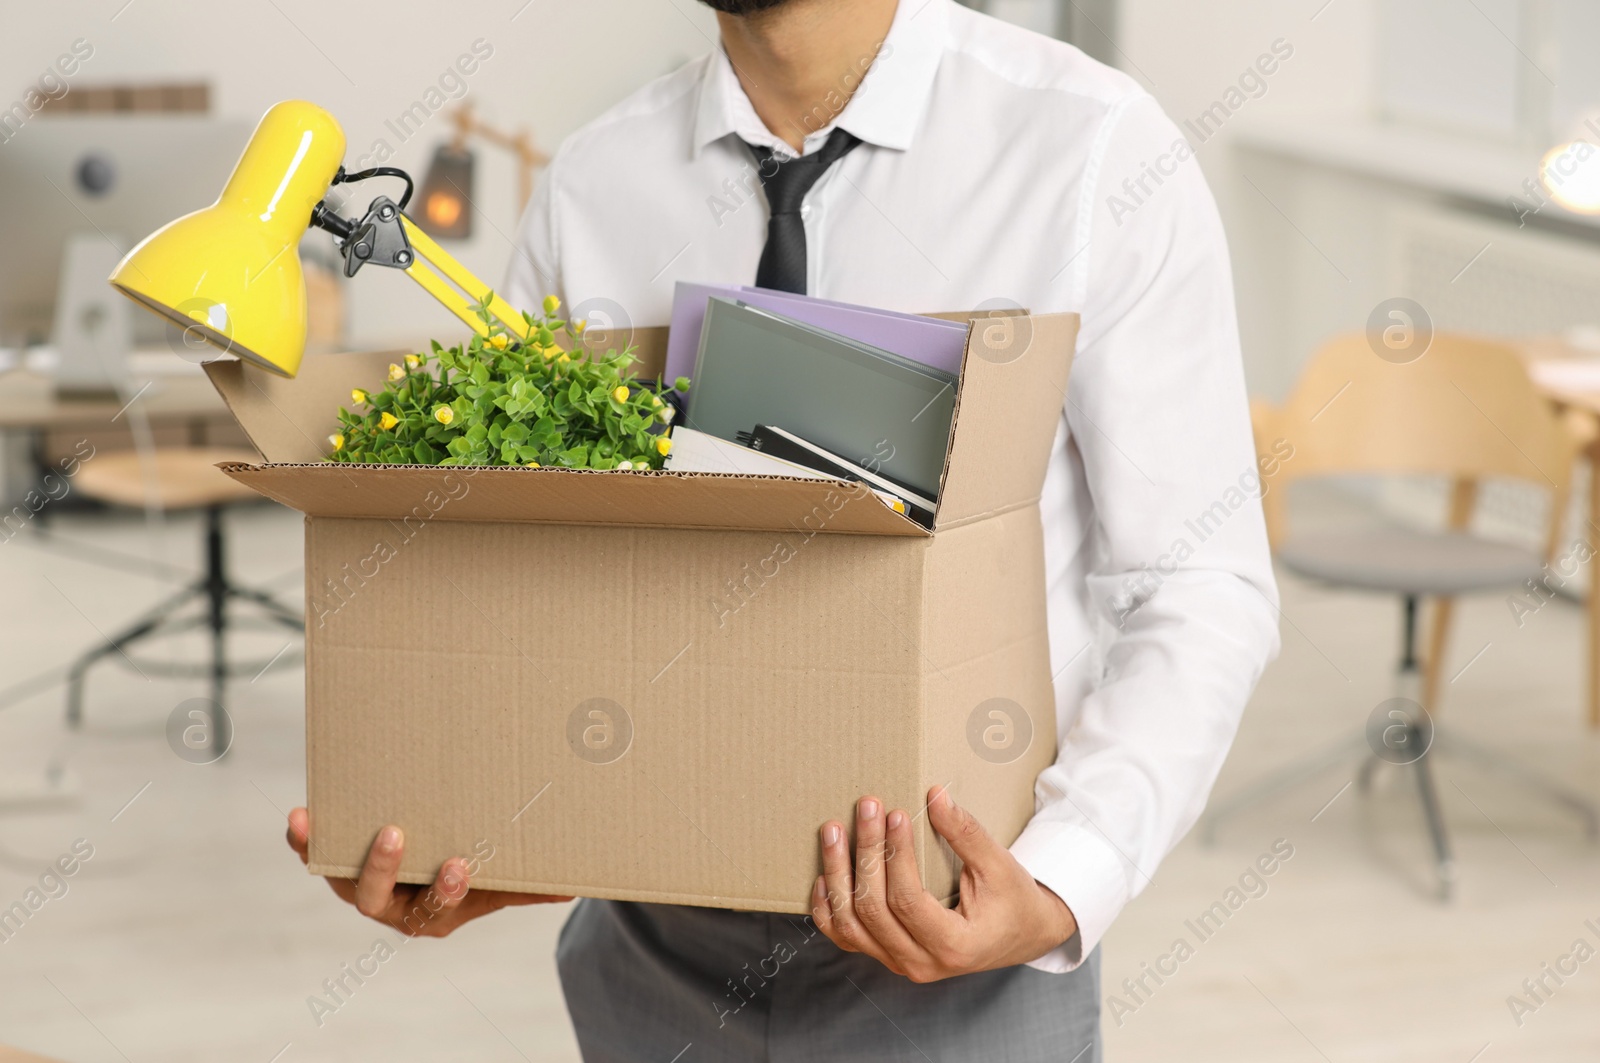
(650, 983)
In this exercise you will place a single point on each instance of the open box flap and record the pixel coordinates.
(1013, 384)
(1014, 376)
(574, 496)
(290, 420)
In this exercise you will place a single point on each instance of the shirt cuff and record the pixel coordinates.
(1082, 869)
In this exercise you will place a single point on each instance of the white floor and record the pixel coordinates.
(193, 934)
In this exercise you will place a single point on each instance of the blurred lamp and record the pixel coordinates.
(447, 194)
(447, 186)
(231, 272)
(1571, 174)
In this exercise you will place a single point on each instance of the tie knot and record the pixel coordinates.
(787, 181)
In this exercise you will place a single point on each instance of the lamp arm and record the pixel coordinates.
(386, 237)
(432, 257)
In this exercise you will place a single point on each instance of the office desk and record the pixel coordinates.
(1578, 391)
(30, 412)
(28, 401)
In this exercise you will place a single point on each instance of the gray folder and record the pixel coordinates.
(869, 406)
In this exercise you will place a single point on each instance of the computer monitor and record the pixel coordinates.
(117, 178)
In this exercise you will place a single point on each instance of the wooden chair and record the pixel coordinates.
(1466, 411)
(177, 478)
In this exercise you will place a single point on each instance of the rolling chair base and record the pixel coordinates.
(1434, 743)
(214, 591)
(1348, 750)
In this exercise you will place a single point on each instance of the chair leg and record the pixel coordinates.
(1369, 767)
(1443, 860)
(1433, 660)
(214, 590)
(116, 644)
(217, 621)
(274, 609)
(1584, 808)
(1285, 778)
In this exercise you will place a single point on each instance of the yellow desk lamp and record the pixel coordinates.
(232, 273)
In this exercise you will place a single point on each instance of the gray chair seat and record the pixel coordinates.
(1408, 562)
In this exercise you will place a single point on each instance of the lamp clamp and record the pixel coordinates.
(378, 239)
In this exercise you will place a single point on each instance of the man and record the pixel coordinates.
(946, 161)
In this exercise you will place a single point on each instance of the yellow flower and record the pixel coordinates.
(621, 394)
(655, 400)
(443, 414)
(579, 326)
(499, 342)
(533, 465)
(396, 373)
(387, 421)
(663, 446)
(551, 304)
(357, 395)
(337, 439)
(624, 464)
(413, 360)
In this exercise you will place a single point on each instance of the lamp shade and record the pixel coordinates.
(231, 272)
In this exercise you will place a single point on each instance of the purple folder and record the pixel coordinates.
(929, 340)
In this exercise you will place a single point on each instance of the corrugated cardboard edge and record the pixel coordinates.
(513, 494)
(570, 889)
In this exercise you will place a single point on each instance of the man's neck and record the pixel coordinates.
(801, 62)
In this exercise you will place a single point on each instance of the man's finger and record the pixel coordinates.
(846, 929)
(451, 883)
(375, 888)
(821, 911)
(871, 900)
(927, 921)
(965, 834)
(839, 880)
(299, 832)
(869, 859)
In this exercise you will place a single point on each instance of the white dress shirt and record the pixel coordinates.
(1000, 167)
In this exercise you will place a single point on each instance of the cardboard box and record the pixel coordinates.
(657, 686)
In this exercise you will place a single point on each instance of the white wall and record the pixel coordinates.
(1187, 54)
(555, 65)
(559, 63)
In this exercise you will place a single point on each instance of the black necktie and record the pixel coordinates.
(786, 182)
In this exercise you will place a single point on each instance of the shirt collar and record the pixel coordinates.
(885, 110)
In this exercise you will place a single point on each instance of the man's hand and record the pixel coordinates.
(876, 903)
(420, 911)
